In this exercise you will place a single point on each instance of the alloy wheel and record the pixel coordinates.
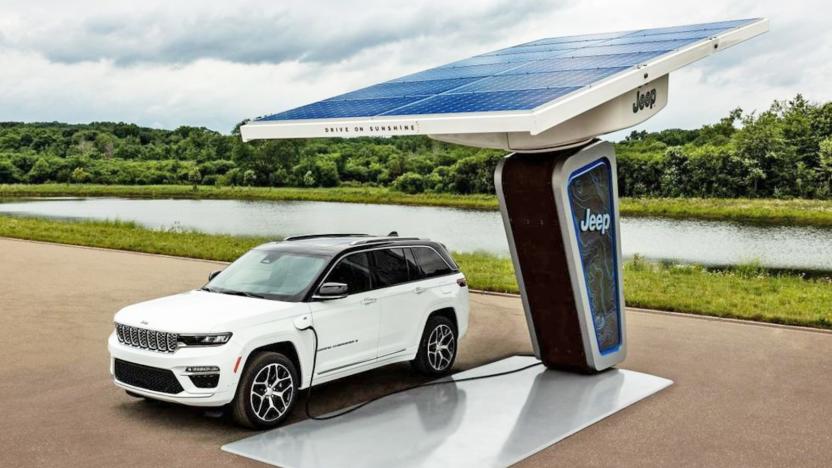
(441, 347)
(271, 392)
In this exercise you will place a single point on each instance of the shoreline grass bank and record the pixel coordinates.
(816, 213)
(743, 292)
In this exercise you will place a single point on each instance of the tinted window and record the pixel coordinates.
(412, 266)
(354, 271)
(430, 262)
(390, 267)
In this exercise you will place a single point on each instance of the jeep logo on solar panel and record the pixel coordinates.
(646, 100)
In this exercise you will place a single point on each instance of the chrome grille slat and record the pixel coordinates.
(151, 340)
(143, 338)
(173, 338)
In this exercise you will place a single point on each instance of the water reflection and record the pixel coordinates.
(707, 242)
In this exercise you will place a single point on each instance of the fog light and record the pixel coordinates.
(202, 369)
(205, 380)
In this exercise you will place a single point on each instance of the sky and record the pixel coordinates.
(210, 63)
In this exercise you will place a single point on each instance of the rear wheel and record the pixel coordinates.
(437, 349)
(267, 391)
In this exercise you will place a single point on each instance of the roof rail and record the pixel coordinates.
(314, 236)
(377, 240)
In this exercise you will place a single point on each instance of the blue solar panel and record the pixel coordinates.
(557, 79)
(405, 89)
(522, 77)
(586, 63)
(357, 107)
(441, 73)
(480, 102)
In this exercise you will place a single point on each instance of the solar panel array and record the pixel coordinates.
(522, 77)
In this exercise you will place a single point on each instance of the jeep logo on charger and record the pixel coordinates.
(646, 100)
(596, 222)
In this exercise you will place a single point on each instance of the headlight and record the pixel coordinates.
(212, 339)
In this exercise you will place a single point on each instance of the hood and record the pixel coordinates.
(205, 312)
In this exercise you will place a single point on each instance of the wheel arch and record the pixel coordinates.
(286, 347)
(447, 312)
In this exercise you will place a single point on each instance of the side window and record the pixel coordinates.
(412, 266)
(354, 270)
(389, 267)
(430, 261)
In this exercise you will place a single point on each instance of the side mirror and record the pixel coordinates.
(213, 274)
(329, 291)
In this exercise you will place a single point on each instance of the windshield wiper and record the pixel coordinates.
(232, 292)
(241, 293)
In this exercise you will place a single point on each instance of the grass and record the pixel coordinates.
(758, 211)
(128, 236)
(745, 292)
(377, 195)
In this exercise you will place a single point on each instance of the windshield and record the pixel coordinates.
(271, 274)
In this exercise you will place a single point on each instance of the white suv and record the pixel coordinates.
(332, 305)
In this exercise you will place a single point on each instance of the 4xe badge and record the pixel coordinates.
(646, 100)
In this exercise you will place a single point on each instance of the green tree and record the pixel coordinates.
(410, 182)
(249, 177)
(80, 176)
(9, 173)
(40, 172)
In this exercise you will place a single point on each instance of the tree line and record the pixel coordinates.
(785, 151)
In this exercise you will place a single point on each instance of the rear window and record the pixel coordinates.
(431, 263)
(390, 267)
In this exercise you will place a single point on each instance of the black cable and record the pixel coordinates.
(372, 400)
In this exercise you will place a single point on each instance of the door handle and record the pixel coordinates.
(368, 300)
(419, 290)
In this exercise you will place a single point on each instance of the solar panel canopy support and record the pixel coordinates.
(545, 101)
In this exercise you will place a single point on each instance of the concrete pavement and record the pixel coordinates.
(745, 394)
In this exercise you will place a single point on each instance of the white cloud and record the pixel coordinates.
(214, 63)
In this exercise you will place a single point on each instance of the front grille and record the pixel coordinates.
(150, 378)
(147, 339)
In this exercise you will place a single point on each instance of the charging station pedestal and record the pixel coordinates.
(560, 211)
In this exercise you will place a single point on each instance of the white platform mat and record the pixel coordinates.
(491, 422)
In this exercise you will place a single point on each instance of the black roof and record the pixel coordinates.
(334, 244)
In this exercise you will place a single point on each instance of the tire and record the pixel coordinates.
(429, 360)
(268, 379)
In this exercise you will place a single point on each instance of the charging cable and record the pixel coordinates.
(372, 400)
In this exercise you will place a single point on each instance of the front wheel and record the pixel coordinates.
(437, 349)
(267, 391)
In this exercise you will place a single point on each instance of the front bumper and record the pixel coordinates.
(223, 356)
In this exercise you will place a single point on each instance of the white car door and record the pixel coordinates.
(434, 289)
(400, 301)
(347, 328)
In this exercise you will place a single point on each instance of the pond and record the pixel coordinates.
(705, 242)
